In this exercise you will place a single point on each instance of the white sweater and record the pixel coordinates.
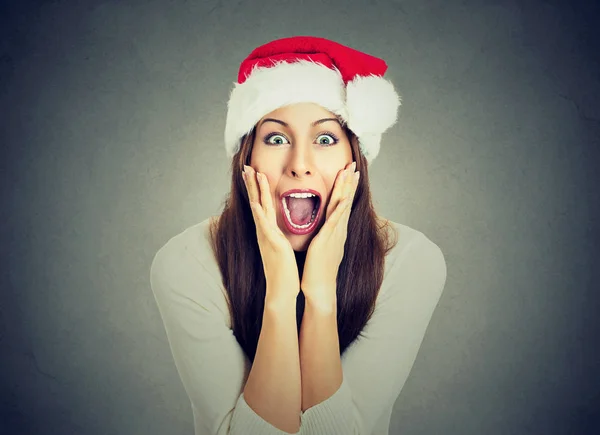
(186, 283)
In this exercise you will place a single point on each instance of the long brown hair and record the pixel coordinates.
(235, 246)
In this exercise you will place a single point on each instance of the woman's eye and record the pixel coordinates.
(278, 141)
(331, 141)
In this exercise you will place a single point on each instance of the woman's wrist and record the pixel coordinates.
(322, 299)
(280, 300)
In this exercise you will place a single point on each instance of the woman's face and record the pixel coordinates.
(300, 155)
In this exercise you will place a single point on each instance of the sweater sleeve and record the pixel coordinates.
(208, 358)
(377, 364)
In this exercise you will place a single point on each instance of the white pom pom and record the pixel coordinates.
(369, 146)
(372, 104)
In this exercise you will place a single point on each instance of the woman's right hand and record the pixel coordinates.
(279, 261)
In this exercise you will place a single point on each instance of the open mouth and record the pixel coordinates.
(301, 212)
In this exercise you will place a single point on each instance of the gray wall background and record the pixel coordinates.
(112, 118)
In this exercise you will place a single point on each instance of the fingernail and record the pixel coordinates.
(357, 175)
(353, 166)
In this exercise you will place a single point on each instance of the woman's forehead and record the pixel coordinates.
(300, 112)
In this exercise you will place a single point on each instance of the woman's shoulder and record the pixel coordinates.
(193, 239)
(406, 237)
(185, 269)
(187, 254)
(397, 234)
(416, 259)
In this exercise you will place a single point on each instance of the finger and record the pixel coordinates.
(347, 209)
(346, 182)
(354, 184)
(338, 192)
(265, 198)
(265, 229)
(256, 217)
(259, 219)
(251, 184)
(245, 178)
(341, 224)
(349, 181)
(334, 200)
(346, 213)
(349, 197)
(333, 221)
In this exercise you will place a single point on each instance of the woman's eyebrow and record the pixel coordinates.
(314, 124)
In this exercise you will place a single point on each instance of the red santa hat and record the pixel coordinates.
(300, 69)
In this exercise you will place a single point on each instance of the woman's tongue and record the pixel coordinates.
(300, 209)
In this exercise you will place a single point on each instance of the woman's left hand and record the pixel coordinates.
(326, 250)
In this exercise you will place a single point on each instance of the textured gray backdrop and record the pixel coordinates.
(112, 118)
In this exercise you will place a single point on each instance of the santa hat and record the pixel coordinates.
(300, 69)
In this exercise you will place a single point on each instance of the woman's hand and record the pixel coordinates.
(326, 250)
(279, 261)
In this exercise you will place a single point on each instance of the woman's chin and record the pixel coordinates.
(299, 243)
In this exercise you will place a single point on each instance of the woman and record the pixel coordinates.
(297, 313)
